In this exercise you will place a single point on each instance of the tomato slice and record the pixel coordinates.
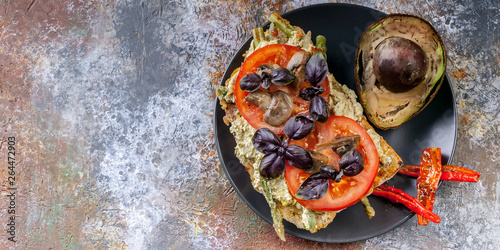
(350, 189)
(279, 54)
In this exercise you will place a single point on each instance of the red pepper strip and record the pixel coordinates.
(450, 173)
(398, 196)
(428, 179)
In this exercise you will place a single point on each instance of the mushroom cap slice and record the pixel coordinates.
(259, 98)
(341, 144)
(297, 65)
(280, 109)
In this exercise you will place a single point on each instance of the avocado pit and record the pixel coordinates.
(399, 64)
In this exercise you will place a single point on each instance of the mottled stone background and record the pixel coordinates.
(111, 105)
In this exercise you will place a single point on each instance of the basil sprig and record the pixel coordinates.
(278, 152)
(316, 70)
(280, 76)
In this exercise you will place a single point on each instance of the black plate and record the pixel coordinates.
(435, 126)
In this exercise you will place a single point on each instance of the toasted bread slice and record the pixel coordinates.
(342, 101)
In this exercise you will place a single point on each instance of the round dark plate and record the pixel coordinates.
(435, 126)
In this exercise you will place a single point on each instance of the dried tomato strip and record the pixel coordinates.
(450, 173)
(398, 196)
(428, 179)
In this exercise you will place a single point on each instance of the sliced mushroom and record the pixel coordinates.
(298, 59)
(266, 68)
(319, 160)
(297, 64)
(280, 109)
(259, 98)
(340, 145)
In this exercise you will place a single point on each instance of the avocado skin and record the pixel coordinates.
(376, 100)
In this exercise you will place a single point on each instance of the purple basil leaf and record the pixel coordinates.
(318, 108)
(316, 69)
(313, 188)
(250, 82)
(282, 76)
(309, 93)
(338, 178)
(298, 157)
(265, 141)
(329, 172)
(351, 163)
(298, 127)
(319, 90)
(272, 166)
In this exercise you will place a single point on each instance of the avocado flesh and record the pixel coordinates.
(384, 108)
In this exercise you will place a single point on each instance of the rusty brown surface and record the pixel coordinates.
(100, 97)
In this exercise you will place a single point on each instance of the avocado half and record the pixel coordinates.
(400, 65)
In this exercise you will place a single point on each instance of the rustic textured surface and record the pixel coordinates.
(111, 105)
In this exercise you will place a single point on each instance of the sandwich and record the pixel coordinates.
(300, 134)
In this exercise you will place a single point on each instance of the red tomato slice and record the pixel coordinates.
(350, 189)
(279, 54)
